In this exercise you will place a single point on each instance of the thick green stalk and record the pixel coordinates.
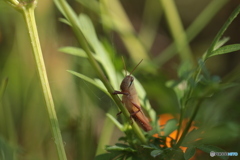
(27, 9)
(125, 29)
(70, 15)
(177, 30)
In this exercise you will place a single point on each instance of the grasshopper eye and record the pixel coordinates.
(131, 81)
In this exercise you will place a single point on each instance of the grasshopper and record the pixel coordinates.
(131, 101)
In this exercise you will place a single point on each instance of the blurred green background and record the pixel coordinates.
(24, 125)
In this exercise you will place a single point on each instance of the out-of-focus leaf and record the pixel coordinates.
(101, 87)
(100, 53)
(120, 148)
(147, 147)
(225, 49)
(69, 10)
(228, 85)
(115, 121)
(91, 4)
(193, 138)
(156, 153)
(210, 148)
(221, 42)
(189, 153)
(227, 132)
(170, 127)
(63, 20)
(74, 51)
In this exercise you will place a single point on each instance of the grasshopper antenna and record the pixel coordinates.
(135, 67)
(124, 66)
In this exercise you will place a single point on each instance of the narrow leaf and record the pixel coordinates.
(156, 153)
(63, 20)
(147, 147)
(90, 81)
(170, 127)
(120, 127)
(221, 42)
(120, 148)
(225, 49)
(74, 51)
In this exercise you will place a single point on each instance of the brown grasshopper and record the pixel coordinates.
(131, 101)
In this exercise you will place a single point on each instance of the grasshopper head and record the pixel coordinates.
(126, 83)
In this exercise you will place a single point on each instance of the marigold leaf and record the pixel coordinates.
(120, 148)
(156, 153)
(189, 153)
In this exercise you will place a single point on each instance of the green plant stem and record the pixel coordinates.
(180, 122)
(28, 13)
(183, 106)
(188, 124)
(70, 15)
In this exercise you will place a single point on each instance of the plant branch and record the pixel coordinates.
(189, 124)
(70, 15)
(27, 9)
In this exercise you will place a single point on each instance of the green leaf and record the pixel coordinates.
(225, 49)
(115, 121)
(74, 51)
(101, 87)
(91, 4)
(222, 30)
(63, 20)
(189, 153)
(147, 147)
(156, 153)
(170, 127)
(210, 148)
(119, 147)
(101, 54)
(221, 42)
(228, 85)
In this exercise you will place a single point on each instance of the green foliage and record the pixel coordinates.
(170, 127)
(194, 86)
(189, 152)
(204, 105)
